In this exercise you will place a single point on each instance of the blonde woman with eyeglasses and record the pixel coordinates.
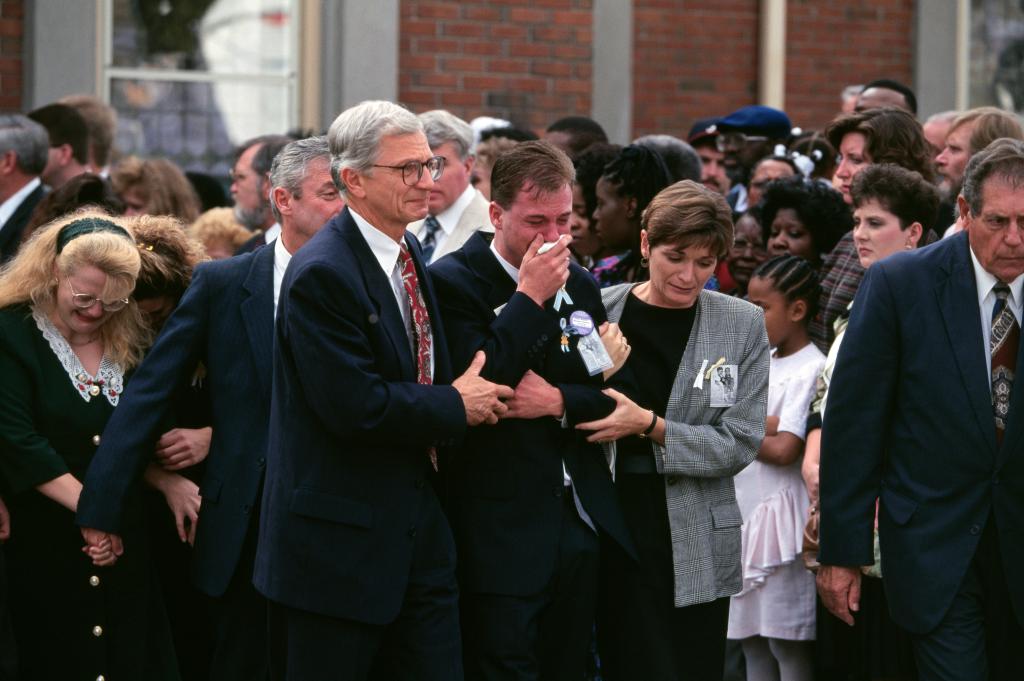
(69, 333)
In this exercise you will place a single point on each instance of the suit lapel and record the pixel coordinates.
(957, 297)
(378, 287)
(258, 313)
(496, 285)
(10, 233)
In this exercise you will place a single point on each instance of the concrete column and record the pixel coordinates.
(612, 80)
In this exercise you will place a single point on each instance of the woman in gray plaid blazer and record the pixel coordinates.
(690, 415)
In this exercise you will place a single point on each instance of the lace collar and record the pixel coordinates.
(109, 380)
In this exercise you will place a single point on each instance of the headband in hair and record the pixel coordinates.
(73, 230)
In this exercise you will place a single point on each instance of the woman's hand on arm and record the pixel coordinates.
(182, 497)
(628, 418)
(616, 345)
(183, 447)
(5, 522)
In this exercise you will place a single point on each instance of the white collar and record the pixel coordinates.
(512, 270)
(384, 248)
(8, 207)
(281, 255)
(272, 232)
(449, 217)
(986, 281)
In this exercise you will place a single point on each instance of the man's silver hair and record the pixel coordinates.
(944, 116)
(443, 126)
(354, 136)
(27, 139)
(291, 165)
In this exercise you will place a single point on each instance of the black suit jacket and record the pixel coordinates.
(10, 232)
(225, 320)
(505, 482)
(909, 420)
(347, 465)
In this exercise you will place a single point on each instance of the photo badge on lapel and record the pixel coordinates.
(592, 351)
(724, 378)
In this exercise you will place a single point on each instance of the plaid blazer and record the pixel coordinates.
(704, 447)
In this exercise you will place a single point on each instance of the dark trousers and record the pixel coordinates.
(980, 638)
(8, 650)
(422, 644)
(544, 636)
(641, 635)
(240, 623)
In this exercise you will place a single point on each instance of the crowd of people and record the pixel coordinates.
(421, 398)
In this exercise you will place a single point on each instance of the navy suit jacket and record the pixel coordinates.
(10, 231)
(347, 465)
(909, 420)
(225, 320)
(505, 481)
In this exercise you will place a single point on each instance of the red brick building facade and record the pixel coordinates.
(531, 61)
(12, 62)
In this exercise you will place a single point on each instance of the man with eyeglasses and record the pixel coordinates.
(745, 137)
(355, 555)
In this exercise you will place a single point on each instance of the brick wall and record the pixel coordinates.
(11, 54)
(832, 45)
(691, 60)
(528, 61)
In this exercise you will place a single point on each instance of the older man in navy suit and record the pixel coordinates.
(355, 555)
(924, 416)
(225, 320)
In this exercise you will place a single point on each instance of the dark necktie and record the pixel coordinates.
(1003, 345)
(429, 240)
(420, 324)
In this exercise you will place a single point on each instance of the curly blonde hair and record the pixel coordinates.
(218, 227)
(168, 254)
(33, 276)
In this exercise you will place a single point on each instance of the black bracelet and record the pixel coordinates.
(650, 428)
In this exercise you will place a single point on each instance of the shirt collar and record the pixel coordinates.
(505, 264)
(272, 232)
(281, 255)
(449, 217)
(986, 281)
(384, 248)
(8, 207)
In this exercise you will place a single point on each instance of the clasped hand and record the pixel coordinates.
(102, 547)
(483, 400)
(628, 418)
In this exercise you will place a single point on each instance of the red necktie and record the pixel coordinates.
(420, 324)
(1003, 345)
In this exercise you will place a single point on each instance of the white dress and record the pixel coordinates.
(777, 600)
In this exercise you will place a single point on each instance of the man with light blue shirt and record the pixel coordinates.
(924, 419)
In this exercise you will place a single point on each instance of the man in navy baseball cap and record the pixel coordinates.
(745, 137)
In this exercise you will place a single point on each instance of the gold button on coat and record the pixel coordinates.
(97, 631)
(96, 440)
(94, 580)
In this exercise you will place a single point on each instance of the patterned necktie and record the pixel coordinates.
(429, 240)
(1003, 345)
(420, 324)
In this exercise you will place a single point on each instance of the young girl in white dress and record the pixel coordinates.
(773, 616)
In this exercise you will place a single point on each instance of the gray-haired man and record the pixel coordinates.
(225, 320)
(457, 209)
(24, 150)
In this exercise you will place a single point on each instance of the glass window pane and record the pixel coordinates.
(997, 54)
(218, 36)
(196, 125)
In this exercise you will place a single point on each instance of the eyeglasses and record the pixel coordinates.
(83, 301)
(736, 140)
(412, 172)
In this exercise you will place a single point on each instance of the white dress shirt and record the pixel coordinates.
(386, 251)
(986, 281)
(8, 207)
(281, 259)
(449, 217)
(272, 232)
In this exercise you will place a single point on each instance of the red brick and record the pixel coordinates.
(482, 13)
(465, 29)
(437, 10)
(508, 65)
(483, 82)
(528, 15)
(441, 80)
(410, 27)
(10, 28)
(551, 68)
(463, 64)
